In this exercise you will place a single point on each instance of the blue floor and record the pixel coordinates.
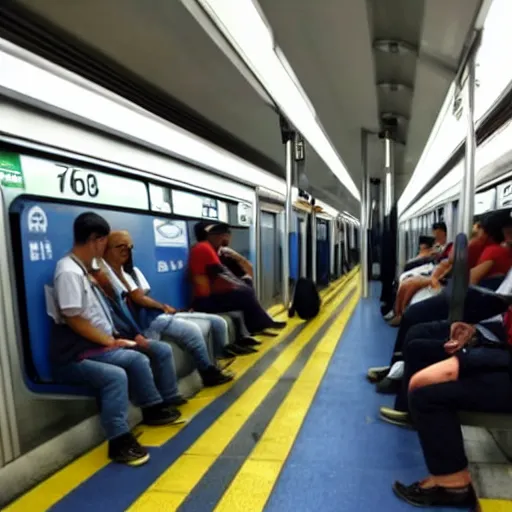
(345, 458)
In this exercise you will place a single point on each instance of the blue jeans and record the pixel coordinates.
(185, 334)
(121, 374)
(216, 324)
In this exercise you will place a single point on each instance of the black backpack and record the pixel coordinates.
(306, 300)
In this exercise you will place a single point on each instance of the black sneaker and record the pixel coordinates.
(176, 401)
(378, 373)
(159, 415)
(414, 494)
(237, 350)
(247, 342)
(214, 377)
(388, 386)
(398, 418)
(267, 334)
(125, 449)
(277, 325)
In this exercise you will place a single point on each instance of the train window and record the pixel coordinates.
(485, 201)
(160, 198)
(504, 193)
(192, 205)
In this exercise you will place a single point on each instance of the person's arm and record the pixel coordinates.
(69, 289)
(476, 274)
(84, 328)
(442, 269)
(490, 256)
(244, 263)
(140, 298)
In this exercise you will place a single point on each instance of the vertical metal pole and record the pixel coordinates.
(340, 247)
(389, 185)
(331, 225)
(304, 248)
(346, 234)
(257, 233)
(467, 196)
(363, 232)
(313, 244)
(287, 222)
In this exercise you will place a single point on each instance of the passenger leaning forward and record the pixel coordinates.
(216, 289)
(160, 319)
(86, 349)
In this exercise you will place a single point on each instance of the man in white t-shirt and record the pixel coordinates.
(156, 318)
(86, 349)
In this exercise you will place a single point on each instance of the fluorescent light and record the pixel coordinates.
(493, 77)
(244, 26)
(37, 82)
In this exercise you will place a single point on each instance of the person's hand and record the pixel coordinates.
(168, 310)
(460, 335)
(142, 342)
(123, 343)
(434, 283)
(227, 251)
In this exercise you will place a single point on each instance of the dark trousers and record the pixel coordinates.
(484, 385)
(423, 346)
(437, 308)
(241, 299)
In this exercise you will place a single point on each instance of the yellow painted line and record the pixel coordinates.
(254, 482)
(182, 476)
(53, 489)
(495, 505)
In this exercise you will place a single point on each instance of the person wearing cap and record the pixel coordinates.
(215, 288)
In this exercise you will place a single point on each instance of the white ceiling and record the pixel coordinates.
(329, 44)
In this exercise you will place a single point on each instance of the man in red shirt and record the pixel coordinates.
(215, 288)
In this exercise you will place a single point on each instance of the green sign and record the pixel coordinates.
(11, 174)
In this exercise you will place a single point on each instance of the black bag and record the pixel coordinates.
(306, 300)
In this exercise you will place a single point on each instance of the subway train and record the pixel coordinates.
(300, 427)
(44, 425)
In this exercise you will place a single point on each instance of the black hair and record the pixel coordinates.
(199, 231)
(493, 225)
(88, 225)
(426, 240)
(441, 226)
(219, 228)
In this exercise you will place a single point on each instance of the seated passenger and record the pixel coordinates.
(426, 246)
(487, 259)
(493, 263)
(425, 344)
(478, 378)
(236, 263)
(216, 289)
(157, 318)
(86, 349)
(243, 345)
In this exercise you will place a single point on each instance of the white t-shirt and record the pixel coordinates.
(75, 295)
(132, 285)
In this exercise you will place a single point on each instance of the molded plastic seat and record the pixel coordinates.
(486, 420)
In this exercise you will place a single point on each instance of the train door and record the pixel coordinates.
(322, 251)
(9, 443)
(302, 227)
(270, 271)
